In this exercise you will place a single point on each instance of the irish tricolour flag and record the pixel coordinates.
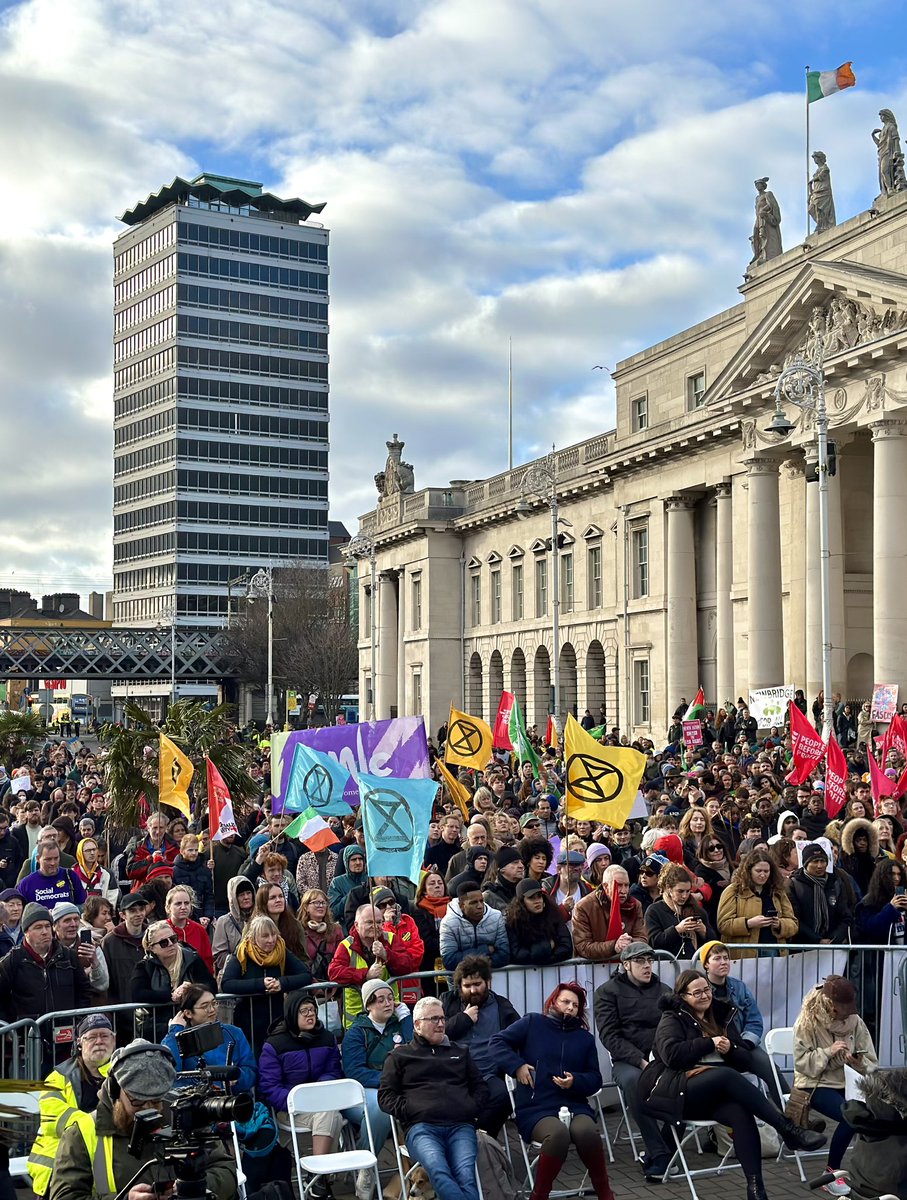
(313, 831)
(697, 708)
(820, 84)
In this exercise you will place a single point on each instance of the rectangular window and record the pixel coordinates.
(518, 592)
(365, 632)
(417, 693)
(640, 413)
(475, 585)
(639, 550)
(641, 691)
(369, 697)
(567, 598)
(496, 597)
(595, 576)
(541, 587)
(695, 389)
(417, 603)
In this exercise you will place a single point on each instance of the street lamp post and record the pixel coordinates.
(362, 546)
(169, 614)
(540, 480)
(261, 585)
(803, 385)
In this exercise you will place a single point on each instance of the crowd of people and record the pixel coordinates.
(316, 969)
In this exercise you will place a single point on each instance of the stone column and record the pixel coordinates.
(813, 624)
(889, 503)
(683, 647)
(724, 580)
(765, 647)
(403, 696)
(386, 683)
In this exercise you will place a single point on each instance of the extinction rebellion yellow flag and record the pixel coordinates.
(458, 793)
(601, 782)
(469, 740)
(175, 773)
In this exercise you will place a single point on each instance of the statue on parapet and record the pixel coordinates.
(891, 156)
(821, 201)
(766, 237)
(398, 476)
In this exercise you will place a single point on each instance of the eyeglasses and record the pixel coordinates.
(207, 1005)
(433, 1020)
(697, 995)
(716, 846)
(167, 941)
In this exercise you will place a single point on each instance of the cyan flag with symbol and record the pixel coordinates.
(395, 819)
(316, 781)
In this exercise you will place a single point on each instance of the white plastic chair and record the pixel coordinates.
(26, 1103)
(330, 1095)
(779, 1043)
(401, 1152)
(625, 1119)
(691, 1132)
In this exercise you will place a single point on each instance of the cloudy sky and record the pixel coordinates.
(573, 174)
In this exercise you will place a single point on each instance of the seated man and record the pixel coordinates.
(627, 1013)
(73, 1093)
(474, 1015)
(367, 1043)
(715, 959)
(436, 1092)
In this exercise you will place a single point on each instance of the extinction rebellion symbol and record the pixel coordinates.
(388, 820)
(593, 781)
(464, 738)
(318, 786)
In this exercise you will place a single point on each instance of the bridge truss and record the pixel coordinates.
(134, 654)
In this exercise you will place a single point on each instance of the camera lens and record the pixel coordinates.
(225, 1108)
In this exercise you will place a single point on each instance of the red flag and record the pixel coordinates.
(502, 723)
(615, 921)
(808, 747)
(901, 786)
(835, 778)
(551, 737)
(895, 738)
(221, 822)
(881, 784)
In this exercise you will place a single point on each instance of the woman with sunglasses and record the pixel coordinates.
(164, 974)
(646, 889)
(697, 1073)
(553, 1058)
(716, 869)
(198, 1006)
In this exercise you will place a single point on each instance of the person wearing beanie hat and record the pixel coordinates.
(73, 1090)
(66, 921)
(509, 870)
(568, 887)
(140, 1076)
(598, 857)
(822, 900)
(478, 864)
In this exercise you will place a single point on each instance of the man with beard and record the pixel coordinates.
(94, 1157)
(72, 1095)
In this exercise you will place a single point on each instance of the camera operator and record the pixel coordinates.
(94, 1158)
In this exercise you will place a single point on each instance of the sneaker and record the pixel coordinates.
(655, 1168)
(365, 1184)
(837, 1187)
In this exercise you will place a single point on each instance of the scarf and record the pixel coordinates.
(820, 905)
(247, 952)
(92, 880)
(317, 926)
(436, 905)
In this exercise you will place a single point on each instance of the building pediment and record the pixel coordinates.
(846, 308)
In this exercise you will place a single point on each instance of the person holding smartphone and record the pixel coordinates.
(755, 906)
(67, 921)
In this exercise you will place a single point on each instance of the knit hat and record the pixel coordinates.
(66, 909)
(527, 887)
(813, 851)
(382, 895)
(505, 856)
(32, 913)
(475, 852)
(670, 846)
(370, 987)
(702, 954)
(596, 850)
(143, 1069)
(11, 894)
(93, 1021)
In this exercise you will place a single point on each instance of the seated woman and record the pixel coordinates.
(646, 889)
(694, 827)
(431, 904)
(675, 922)
(696, 1073)
(163, 976)
(262, 971)
(537, 855)
(755, 907)
(300, 1050)
(828, 1034)
(537, 932)
(271, 901)
(319, 932)
(198, 1006)
(553, 1058)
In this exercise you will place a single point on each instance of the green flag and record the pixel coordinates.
(520, 740)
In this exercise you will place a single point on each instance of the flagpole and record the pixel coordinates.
(510, 409)
(807, 151)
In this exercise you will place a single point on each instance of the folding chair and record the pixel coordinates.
(25, 1104)
(332, 1095)
(779, 1043)
(691, 1132)
(241, 1179)
(534, 1148)
(401, 1152)
(625, 1119)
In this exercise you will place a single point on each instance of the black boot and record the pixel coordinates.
(755, 1188)
(797, 1138)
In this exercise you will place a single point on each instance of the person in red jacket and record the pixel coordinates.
(401, 925)
(178, 906)
(151, 850)
(370, 952)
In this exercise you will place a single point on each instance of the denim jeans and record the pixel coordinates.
(448, 1154)
(627, 1077)
(829, 1102)
(380, 1121)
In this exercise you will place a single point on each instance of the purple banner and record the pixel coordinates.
(393, 749)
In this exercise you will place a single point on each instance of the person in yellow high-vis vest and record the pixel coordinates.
(72, 1095)
(370, 952)
(93, 1160)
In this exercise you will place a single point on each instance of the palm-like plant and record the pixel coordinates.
(132, 759)
(18, 733)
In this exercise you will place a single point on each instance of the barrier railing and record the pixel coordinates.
(14, 1049)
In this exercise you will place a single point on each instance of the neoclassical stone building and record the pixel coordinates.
(692, 553)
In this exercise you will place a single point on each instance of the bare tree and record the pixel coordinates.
(314, 646)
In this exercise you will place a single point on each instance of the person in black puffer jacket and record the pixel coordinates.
(696, 1073)
(537, 933)
(822, 902)
(878, 1159)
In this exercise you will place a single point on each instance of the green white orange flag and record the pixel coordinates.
(310, 829)
(519, 739)
(820, 84)
(697, 708)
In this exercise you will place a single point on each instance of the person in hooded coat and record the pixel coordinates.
(859, 851)
(229, 929)
(354, 874)
(878, 1157)
(475, 871)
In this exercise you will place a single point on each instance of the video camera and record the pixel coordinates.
(180, 1134)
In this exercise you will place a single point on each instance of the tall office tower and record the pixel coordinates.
(220, 397)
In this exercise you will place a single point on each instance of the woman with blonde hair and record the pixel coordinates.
(755, 906)
(262, 971)
(163, 975)
(829, 1034)
(320, 934)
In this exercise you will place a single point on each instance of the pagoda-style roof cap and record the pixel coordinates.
(238, 193)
